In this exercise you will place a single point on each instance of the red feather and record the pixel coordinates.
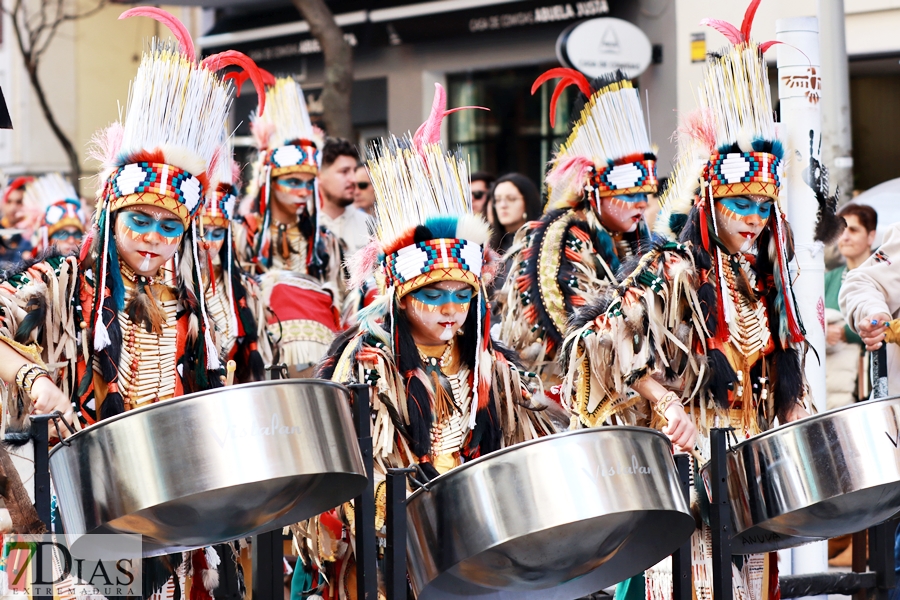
(169, 20)
(727, 29)
(747, 24)
(766, 45)
(566, 77)
(233, 58)
(238, 78)
(268, 78)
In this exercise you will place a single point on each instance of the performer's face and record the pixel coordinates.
(293, 192)
(213, 240)
(146, 237)
(67, 240)
(436, 312)
(740, 220)
(621, 214)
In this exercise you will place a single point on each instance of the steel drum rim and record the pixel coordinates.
(805, 420)
(186, 397)
(548, 438)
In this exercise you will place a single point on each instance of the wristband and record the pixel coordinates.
(28, 374)
(668, 399)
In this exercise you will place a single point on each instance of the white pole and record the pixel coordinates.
(837, 151)
(799, 87)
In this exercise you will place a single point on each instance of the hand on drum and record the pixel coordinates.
(796, 413)
(680, 429)
(48, 398)
(872, 330)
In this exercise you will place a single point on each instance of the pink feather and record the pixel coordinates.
(262, 131)
(363, 263)
(747, 24)
(106, 144)
(700, 126)
(574, 167)
(429, 132)
(169, 20)
(727, 29)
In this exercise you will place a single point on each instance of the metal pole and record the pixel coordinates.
(266, 555)
(837, 147)
(720, 515)
(799, 87)
(366, 567)
(682, 586)
(881, 558)
(395, 523)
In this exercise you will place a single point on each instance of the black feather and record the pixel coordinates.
(787, 378)
(34, 320)
(721, 378)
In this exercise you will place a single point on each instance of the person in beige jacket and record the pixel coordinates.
(870, 297)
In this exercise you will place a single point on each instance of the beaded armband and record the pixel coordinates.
(28, 374)
(665, 402)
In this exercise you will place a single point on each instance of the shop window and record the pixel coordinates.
(515, 136)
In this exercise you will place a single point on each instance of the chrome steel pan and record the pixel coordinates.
(213, 466)
(820, 477)
(551, 519)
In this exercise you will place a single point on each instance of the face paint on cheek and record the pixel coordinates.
(145, 265)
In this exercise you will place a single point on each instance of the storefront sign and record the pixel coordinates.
(599, 46)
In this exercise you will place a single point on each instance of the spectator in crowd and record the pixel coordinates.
(364, 198)
(337, 186)
(516, 199)
(844, 346)
(481, 185)
(14, 245)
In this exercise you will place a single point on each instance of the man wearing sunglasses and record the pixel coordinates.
(364, 198)
(481, 183)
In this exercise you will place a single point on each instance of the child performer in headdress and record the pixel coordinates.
(299, 261)
(708, 317)
(233, 299)
(597, 194)
(112, 329)
(442, 391)
(62, 226)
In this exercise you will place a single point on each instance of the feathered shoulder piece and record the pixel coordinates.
(608, 152)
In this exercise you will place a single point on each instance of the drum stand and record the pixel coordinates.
(875, 584)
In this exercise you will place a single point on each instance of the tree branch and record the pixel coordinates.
(338, 66)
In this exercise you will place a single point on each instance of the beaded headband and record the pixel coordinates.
(301, 157)
(629, 178)
(65, 213)
(218, 209)
(446, 259)
(156, 184)
(741, 173)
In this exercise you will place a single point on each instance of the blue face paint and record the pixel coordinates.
(62, 235)
(142, 223)
(742, 207)
(214, 234)
(632, 198)
(439, 297)
(295, 183)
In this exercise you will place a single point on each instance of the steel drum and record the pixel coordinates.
(212, 466)
(817, 478)
(552, 519)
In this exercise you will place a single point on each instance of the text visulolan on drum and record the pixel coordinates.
(551, 519)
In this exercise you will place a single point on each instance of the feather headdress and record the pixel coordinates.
(729, 148)
(425, 231)
(59, 202)
(608, 152)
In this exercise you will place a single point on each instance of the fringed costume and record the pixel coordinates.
(114, 335)
(299, 262)
(570, 255)
(433, 405)
(233, 299)
(718, 328)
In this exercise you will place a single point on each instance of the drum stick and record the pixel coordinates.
(230, 366)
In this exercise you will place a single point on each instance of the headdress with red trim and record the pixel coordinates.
(608, 152)
(425, 231)
(288, 143)
(729, 148)
(59, 202)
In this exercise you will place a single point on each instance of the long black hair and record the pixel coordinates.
(534, 207)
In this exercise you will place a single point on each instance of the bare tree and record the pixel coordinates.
(35, 23)
(338, 66)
